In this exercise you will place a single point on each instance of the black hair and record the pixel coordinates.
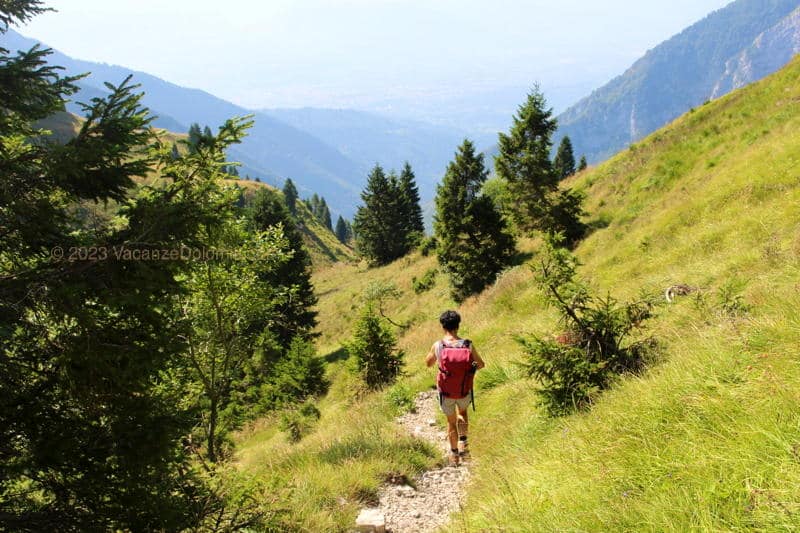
(450, 320)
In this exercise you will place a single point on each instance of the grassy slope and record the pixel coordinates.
(320, 242)
(708, 439)
(323, 246)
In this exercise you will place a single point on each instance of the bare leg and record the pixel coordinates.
(452, 431)
(463, 423)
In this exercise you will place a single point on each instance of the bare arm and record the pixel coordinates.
(478, 361)
(430, 359)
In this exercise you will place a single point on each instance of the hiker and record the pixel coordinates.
(457, 360)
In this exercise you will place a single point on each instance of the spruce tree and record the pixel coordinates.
(195, 137)
(524, 162)
(341, 230)
(411, 211)
(474, 243)
(298, 316)
(377, 226)
(175, 152)
(290, 196)
(92, 428)
(583, 164)
(324, 214)
(564, 163)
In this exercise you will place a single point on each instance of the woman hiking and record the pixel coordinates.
(457, 361)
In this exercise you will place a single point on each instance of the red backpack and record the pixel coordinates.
(456, 371)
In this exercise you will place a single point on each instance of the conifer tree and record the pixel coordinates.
(290, 196)
(411, 211)
(378, 229)
(195, 136)
(524, 162)
(91, 427)
(564, 163)
(175, 152)
(298, 316)
(314, 204)
(474, 243)
(341, 230)
(583, 164)
(324, 214)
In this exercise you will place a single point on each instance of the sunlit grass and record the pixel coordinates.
(707, 439)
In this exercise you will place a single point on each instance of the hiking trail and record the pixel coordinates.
(427, 503)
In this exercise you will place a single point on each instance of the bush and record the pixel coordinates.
(594, 347)
(425, 283)
(427, 245)
(401, 397)
(298, 374)
(299, 421)
(373, 350)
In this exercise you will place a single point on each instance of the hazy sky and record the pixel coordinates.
(272, 53)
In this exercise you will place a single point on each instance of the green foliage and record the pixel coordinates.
(290, 196)
(373, 349)
(297, 422)
(294, 375)
(524, 163)
(593, 348)
(410, 209)
(495, 375)
(730, 301)
(426, 282)
(474, 244)
(564, 162)
(343, 230)
(583, 164)
(229, 308)
(427, 245)
(401, 397)
(296, 315)
(90, 424)
(389, 223)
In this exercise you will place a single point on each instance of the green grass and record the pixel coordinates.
(708, 439)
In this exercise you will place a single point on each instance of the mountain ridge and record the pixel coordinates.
(678, 74)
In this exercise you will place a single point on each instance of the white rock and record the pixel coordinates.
(431, 421)
(371, 521)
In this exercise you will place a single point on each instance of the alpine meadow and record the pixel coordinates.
(192, 342)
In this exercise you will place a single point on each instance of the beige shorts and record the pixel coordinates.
(448, 405)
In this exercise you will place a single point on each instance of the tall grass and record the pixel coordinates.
(707, 439)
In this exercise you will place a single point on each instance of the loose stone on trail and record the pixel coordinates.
(435, 494)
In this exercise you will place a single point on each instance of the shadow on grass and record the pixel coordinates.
(336, 356)
(520, 258)
(595, 225)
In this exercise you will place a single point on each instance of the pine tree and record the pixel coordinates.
(377, 226)
(91, 428)
(341, 230)
(324, 214)
(298, 315)
(474, 244)
(411, 211)
(175, 152)
(374, 350)
(195, 137)
(290, 196)
(583, 164)
(524, 162)
(314, 204)
(564, 163)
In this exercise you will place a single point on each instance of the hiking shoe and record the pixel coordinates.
(454, 457)
(463, 449)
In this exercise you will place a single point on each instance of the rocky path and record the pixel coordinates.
(428, 504)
